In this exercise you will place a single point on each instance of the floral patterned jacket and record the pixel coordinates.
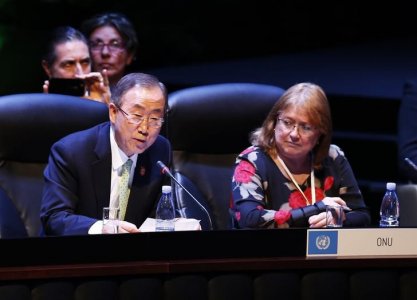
(264, 198)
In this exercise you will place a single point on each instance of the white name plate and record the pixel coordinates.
(362, 242)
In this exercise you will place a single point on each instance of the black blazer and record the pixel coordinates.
(78, 176)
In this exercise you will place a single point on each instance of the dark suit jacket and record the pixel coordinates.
(77, 182)
(407, 130)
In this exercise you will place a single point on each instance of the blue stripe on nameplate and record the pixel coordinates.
(322, 242)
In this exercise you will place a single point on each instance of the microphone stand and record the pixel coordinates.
(165, 170)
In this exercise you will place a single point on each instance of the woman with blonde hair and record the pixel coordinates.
(292, 171)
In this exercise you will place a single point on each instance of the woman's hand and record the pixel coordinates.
(319, 220)
(334, 201)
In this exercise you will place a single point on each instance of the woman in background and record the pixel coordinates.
(113, 44)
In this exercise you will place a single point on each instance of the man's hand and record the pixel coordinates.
(97, 86)
(126, 227)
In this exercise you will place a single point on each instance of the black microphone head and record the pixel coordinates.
(164, 168)
(160, 164)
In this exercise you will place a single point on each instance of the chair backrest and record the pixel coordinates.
(407, 195)
(208, 126)
(29, 125)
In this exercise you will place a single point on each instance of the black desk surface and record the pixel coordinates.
(172, 253)
(152, 246)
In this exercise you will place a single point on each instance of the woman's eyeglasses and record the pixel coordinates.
(112, 46)
(289, 125)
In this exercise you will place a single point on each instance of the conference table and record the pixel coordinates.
(175, 253)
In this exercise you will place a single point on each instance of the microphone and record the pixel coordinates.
(410, 163)
(165, 170)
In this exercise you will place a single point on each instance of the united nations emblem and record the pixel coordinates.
(322, 242)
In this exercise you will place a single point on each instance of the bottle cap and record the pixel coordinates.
(391, 185)
(166, 189)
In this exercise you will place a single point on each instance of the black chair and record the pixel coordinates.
(208, 126)
(29, 125)
(407, 195)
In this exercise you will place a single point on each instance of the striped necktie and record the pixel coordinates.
(124, 188)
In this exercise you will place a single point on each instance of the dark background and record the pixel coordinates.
(180, 32)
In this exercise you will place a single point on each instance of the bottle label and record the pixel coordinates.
(164, 225)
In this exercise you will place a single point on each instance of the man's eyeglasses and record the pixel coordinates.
(135, 119)
(113, 46)
(288, 125)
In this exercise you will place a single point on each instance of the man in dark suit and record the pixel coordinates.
(83, 174)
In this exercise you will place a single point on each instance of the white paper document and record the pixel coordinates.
(181, 224)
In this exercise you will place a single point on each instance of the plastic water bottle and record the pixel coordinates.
(165, 211)
(390, 207)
